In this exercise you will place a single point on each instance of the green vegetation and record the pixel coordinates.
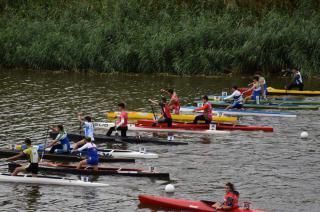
(176, 36)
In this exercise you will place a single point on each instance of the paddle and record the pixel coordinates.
(45, 143)
(154, 114)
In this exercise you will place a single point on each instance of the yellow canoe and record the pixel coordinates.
(182, 117)
(291, 92)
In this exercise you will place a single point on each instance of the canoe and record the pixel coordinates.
(274, 91)
(236, 112)
(270, 101)
(73, 136)
(266, 106)
(184, 205)
(219, 126)
(182, 117)
(62, 168)
(74, 157)
(163, 128)
(46, 180)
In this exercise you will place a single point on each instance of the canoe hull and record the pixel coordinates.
(274, 91)
(182, 117)
(48, 181)
(181, 204)
(219, 126)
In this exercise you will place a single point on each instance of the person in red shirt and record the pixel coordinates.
(122, 123)
(165, 112)
(231, 199)
(207, 111)
(174, 103)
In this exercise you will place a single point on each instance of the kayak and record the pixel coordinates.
(219, 126)
(236, 112)
(275, 91)
(45, 180)
(185, 205)
(73, 136)
(74, 157)
(62, 168)
(181, 117)
(270, 101)
(266, 106)
(164, 128)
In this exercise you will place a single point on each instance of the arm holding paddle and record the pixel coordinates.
(16, 157)
(154, 102)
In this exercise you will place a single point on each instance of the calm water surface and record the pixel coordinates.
(275, 171)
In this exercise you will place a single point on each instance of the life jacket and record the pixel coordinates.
(166, 111)
(298, 78)
(176, 105)
(207, 112)
(92, 151)
(231, 199)
(88, 130)
(237, 98)
(123, 115)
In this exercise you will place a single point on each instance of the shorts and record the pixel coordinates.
(237, 105)
(92, 161)
(32, 168)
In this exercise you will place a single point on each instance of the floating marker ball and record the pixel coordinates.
(169, 188)
(304, 134)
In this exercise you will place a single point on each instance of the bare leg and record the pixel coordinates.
(81, 163)
(227, 108)
(216, 205)
(17, 170)
(95, 168)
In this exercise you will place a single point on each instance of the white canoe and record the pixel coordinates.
(48, 181)
(223, 112)
(119, 153)
(133, 127)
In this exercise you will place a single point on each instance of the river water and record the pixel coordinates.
(275, 171)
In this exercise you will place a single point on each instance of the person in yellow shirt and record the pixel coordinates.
(33, 156)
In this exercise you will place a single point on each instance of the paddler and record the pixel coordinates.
(237, 99)
(207, 111)
(92, 154)
(165, 112)
(256, 88)
(61, 142)
(31, 152)
(263, 84)
(174, 103)
(296, 81)
(231, 199)
(86, 122)
(122, 123)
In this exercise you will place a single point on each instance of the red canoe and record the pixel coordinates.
(185, 205)
(191, 126)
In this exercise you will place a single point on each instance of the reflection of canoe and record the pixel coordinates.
(183, 205)
(191, 126)
(235, 112)
(291, 92)
(46, 180)
(272, 101)
(268, 106)
(62, 168)
(181, 117)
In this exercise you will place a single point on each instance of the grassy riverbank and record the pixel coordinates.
(180, 37)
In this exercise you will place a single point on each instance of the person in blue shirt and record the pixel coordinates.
(92, 154)
(61, 142)
(88, 129)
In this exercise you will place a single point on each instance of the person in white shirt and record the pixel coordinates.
(237, 99)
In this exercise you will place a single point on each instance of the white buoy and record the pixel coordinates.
(304, 134)
(169, 188)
